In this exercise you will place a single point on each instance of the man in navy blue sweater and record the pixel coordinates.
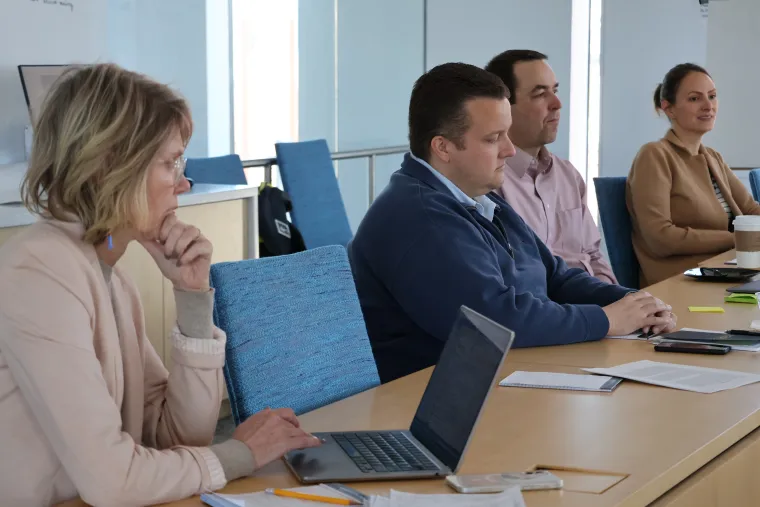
(438, 238)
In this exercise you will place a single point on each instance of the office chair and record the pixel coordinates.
(308, 176)
(616, 225)
(226, 170)
(295, 332)
(754, 183)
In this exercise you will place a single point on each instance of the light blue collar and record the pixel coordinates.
(485, 206)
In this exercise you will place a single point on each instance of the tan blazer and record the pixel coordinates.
(86, 406)
(677, 218)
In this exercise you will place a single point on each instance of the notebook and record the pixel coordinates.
(262, 499)
(746, 288)
(566, 381)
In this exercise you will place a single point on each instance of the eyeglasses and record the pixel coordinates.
(179, 164)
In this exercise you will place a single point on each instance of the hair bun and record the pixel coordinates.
(658, 98)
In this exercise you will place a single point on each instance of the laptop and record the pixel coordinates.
(441, 429)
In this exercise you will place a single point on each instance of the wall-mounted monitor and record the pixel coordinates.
(37, 81)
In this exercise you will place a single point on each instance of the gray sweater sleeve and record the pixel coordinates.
(195, 313)
(236, 459)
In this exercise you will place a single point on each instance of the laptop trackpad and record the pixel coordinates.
(327, 459)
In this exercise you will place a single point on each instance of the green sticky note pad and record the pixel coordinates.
(741, 298)
(706, 309)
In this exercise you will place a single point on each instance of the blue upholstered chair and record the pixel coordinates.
(295, 332)
(308, 176)
(616, 225)
(754, 183)
(226, 170)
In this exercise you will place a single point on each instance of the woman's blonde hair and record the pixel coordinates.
(98, 132)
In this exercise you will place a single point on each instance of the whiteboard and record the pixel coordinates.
(42, 32)
(732, 59)
(641, 41)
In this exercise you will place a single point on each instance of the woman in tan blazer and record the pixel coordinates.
(681, 195)
(86, 406)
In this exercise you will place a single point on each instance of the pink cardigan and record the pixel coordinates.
(86, 406)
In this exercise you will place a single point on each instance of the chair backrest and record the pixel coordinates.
(308, 176)
(295, 332)
(226, 170)
(754, 183)
(616, 225)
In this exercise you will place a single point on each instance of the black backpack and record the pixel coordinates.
(277, 236)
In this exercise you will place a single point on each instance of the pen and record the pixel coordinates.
(313, 498)
(351, 493)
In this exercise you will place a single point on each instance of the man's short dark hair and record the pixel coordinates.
(437, 105)
(503, 65)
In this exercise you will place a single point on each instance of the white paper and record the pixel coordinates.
(511, 497)
(379, 501)
(678, 376)
(558, 380)
(263, 499)
(731, 262)
(636, 336)
(694, 330)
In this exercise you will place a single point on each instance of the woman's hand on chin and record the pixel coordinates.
(182, 254)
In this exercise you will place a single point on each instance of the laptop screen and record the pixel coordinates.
(459, 385)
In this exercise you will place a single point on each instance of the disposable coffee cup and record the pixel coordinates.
(747, 241)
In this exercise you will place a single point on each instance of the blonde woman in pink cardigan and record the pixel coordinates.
(86, 406)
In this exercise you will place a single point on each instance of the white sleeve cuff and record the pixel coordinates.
(204, 346)
(215, 470)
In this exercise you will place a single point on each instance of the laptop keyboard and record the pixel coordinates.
(388, 451)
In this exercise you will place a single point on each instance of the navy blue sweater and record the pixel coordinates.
(419, 254)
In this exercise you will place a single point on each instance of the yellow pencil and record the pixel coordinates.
(313, 498)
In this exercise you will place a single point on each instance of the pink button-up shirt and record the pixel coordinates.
(550, 195)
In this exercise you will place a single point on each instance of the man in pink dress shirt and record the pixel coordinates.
(548, 192)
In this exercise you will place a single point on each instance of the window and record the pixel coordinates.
(264, 77)
(585, 92)
(594, 101)
(579, 69)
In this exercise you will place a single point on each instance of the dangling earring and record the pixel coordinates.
(110, 242)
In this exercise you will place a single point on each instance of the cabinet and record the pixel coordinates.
(224, 223)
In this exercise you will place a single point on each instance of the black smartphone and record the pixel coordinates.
(693, 348)
(744, 332)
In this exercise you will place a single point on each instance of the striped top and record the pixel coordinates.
(721, 199)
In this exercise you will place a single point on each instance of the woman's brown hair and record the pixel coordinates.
(98, 132)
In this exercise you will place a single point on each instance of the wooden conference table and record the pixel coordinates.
(640, 445)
